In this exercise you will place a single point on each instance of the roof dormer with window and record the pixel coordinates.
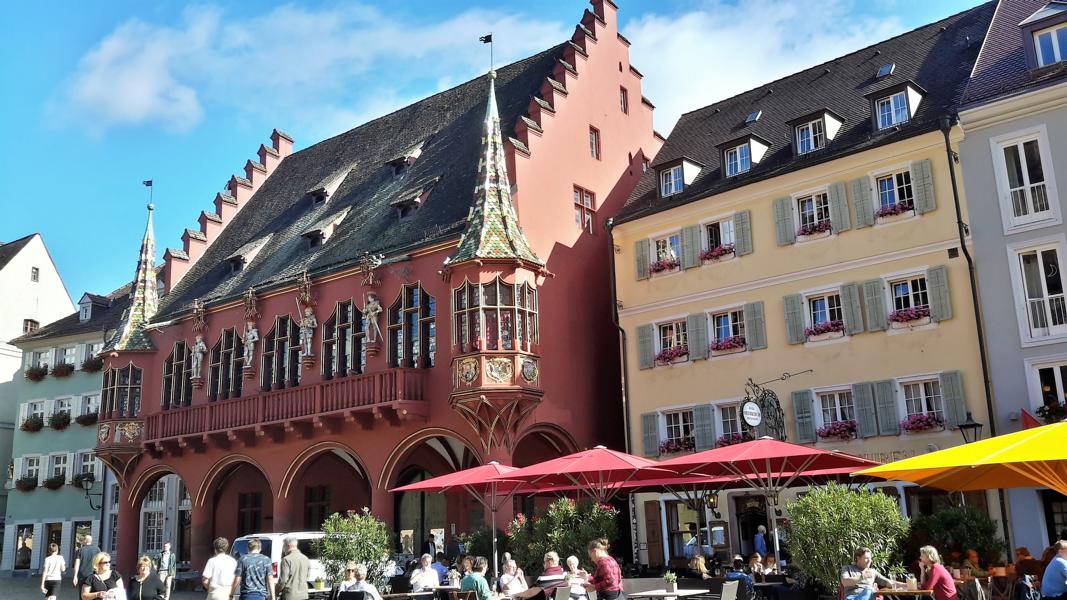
(676, 175)
(1045, 35)
(815, 131)
(322, 230)
(740, 155)
(895, 105)
(245, 255)
(411, 200)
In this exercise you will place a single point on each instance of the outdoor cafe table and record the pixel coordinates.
(665, 593)
(425, 594)
(905, 594)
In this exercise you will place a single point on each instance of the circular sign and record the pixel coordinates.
(751, 413)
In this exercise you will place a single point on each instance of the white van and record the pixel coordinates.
(272, 548)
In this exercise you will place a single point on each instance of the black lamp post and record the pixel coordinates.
(86, 481)
(711, 499)
(970, 429)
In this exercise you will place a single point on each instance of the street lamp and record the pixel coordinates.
(711, 500)
(970, 429)
(86, 481)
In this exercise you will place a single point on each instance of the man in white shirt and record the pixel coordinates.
(219, 572)
(425, 577)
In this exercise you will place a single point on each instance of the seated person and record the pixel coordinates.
(574, 577)
(736, 572)
(1054, 581)
(770, 564)
(552, 577)
(424, 577)
(441, 566)
(973, 564)
(692, 547)
(356, 581)
(512, 582)
(475, 580)
(698, 567)
(860, 581)
(755, 564)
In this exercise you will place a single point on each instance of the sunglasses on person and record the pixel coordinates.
(105, 562)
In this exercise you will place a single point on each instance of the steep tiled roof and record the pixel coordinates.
(448, 127)
(105, 318)
(143, 298)
(1001, 68)
(10, 249)
(937, 57)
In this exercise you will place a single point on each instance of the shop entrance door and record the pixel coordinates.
(751, 512)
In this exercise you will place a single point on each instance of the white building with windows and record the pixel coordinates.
(1014, 159)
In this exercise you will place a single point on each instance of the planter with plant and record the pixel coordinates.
(565, 527)
(727, 345)
(717, 253)
(93, 364)
(670, 582)
(59, 420)
(684, 444)
(1053, 413)
(62, 370)
(80, 480)
(907, 317)
(54, 483)
(893, 210)
(672, 354)
(825, 331)
(729, 439)
(958, 529)
(822, 229)
(26, 484)
(838, 430)
(36, 374)
(32, 423)
(663, 266)
(357, 536)
(87, 419)
(922, 422)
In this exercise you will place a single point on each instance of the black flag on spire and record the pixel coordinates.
(486, 39)
(147, 183)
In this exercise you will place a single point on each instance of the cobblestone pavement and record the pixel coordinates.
(30, 589)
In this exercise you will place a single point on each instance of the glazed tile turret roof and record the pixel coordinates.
(446, 129)
(936, 58)
(143, 299)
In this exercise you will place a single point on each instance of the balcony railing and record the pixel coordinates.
(338, 396)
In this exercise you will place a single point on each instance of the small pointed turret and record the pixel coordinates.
(492, 227)
(144, 299)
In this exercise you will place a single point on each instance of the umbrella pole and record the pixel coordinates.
(496, 560)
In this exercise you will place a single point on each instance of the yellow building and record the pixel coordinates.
(805, 227)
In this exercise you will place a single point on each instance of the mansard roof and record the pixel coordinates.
(936, 58)
(447, 128)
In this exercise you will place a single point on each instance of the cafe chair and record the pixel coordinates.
(351, 596)
(463, 595)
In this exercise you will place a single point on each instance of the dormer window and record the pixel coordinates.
(676, 174)
(811, 136)
(237, 265)
(895, 105)
(892, 110)
(85, 312)
(318, 197)
(738, 160)
(814, 131)
(670, 181)
(313, 239)
(1051, 45)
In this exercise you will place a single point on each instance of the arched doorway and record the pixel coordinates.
(241, 499)
(164, 504)
(538, 444)
(324, 479)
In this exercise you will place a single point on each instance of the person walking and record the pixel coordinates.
(1054, 581)
(935, 576)
(83, 561)
(293, 573)
(253, 578)
(606, 580)
(146, 585)
(759, 541)
(167, 567)
(429, 546)
(103, 580)
(217, 575)
(52, 573)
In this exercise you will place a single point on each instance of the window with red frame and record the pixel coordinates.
(594, 142)
(584, 208)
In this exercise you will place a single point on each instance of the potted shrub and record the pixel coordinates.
(1053, 413)
(358, 536)
(32, 424)
(87, 419)
(565, 527)
(662, 266)
(59, 420)
(958, 528)
(717, 253)
(62, 370)
(670, 582)
(54, 483)
(36, 373)
(685, 444)
(840, 430)
(906, 317)
(93, 364)
(824, 331)
(26, 484)
(922, 422)
(83, 480)
(669, 355)
(728, 345)
(820, 228)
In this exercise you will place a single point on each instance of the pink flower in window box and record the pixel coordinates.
(922, 422)
(906, 315)
(717, 252)
(827, 327)
(815, 228)
(684, 444)
(669, 355)
(893, 209)
(729, 439)
(842, 430)
(734, 342)
(667, 264)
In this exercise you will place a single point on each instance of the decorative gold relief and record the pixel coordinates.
(499, 369)
(468, 370)
(103, 432)
(529, 370)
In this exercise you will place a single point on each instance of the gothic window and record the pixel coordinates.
(506, 313)
(343, 336)
(177, 378)
(412, 329)
(249, 512)
(281, 355)
(227, 360)
(122, 392)
(316, 506)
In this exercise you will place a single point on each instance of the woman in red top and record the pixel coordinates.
(935, 576)
(606, 581)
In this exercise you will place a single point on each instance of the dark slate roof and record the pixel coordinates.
(10, 249)
(105, 317)
(1001, 68)
(937, 57)
(447, 125)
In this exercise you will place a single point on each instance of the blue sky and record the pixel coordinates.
(101, 95)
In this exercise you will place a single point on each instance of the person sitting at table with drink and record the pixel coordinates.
(736, 572)
(606, 580)
(755, 564)
(973, 564)
(466, 565)
(511, 582)
(1054, 581)
(356, 581)
(1026, 564)
(699, 567)
(424, 577)
(573, 576)
(475, 580)
(935, 576)
(860, 581)
(770, 565)
(441, 566)
(552, 577)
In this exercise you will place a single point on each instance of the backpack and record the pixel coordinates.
(1024, 589)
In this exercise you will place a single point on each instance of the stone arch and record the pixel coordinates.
(543, 438)
(388, 476)
(218, 469)
(312, 452)
(147, 479)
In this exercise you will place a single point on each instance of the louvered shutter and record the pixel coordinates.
(650, 434)
(690, 246)
(27, 359)
(840, 219)
(94, 529)
(861, 199)
(80, 354)
(866, 419)
(696, 331)
(704, 427)
(755, 326)
(785, 231)
(794, 318)
(70, 465)
(743, 233)
(885, 403)
(937, 289)
(952, 398)
(64, 542)
(874, 300)
(24, 411)
(19, 468)
(49, 358)
(646, 351)
(922, 186)
(35, 552)
(802, 416)
(641, 259)
(49, 408)
(852, 311)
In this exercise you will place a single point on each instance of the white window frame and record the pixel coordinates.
(894, 173)
(88, 458)
(814, 135)
(671, 181)
(720, 417)
(676, 322)
(53, 463)
(681, 425)
(890, 100)
(902, 382)
(1059, 53)
(35, 274)
(742, 153)
(908, 277)
(705, 237)
(826, 293)
(36, 407)
(817, 409)
(85, 312)
(89, 403)
(26, 466)
(64, 403)
(1057, 242)
(731, 311)
(1011, 223)
(653, 253)
(797, 198)
(1033, 382)
(39, 357)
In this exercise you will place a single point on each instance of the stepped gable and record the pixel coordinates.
(937, 57)
(437, 138)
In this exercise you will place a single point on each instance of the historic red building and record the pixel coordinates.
(416, 309)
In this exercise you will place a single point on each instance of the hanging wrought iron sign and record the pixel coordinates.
(761, 411)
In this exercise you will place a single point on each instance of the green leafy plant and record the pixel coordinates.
(358, 536)
(59, 420)
(565, 526)
(670, 577)
(26, 484)
(92, 364)
(54, 483)
(958, 529)
(828, 523)
(32, 423)
(62, 370)
(479, 542)
(36, 373)
(87, 419)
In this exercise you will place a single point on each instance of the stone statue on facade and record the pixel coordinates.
(197, 353)
(372, 310)
(307, 332)
(250, 338)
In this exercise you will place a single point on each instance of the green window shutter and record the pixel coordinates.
(874, 300)
(885, 404)
(755, 326)
(690, 246)
(641, 257)
(922, 185)
(650, 433)
(785, 230)
(840, 219)
(704, 427)
(743, 233)
(863, 399)
(646, 351)
(952, 398)
(794, 319)
(937, 289)
(802, 417)
(861, 198)
(852, 311)
(696, 331)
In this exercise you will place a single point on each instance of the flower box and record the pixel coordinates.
(729, 439)
(922, 422)
(663, 266)
(893, 210)
(36, 373)
(87, 419)
(686, 444)
(26, 484)
(909, 317)
(838, 430)
(1053, 413)
(54, 483)
(717, 253)
(59, 420)
(93, 364)
(672, 354)
(825, 331)
(728, 345)
(821, 229)
(32, 424)
(62, 370)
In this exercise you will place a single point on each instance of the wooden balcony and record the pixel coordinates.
(396, 394)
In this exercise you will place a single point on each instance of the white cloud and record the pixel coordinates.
(720, 49)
